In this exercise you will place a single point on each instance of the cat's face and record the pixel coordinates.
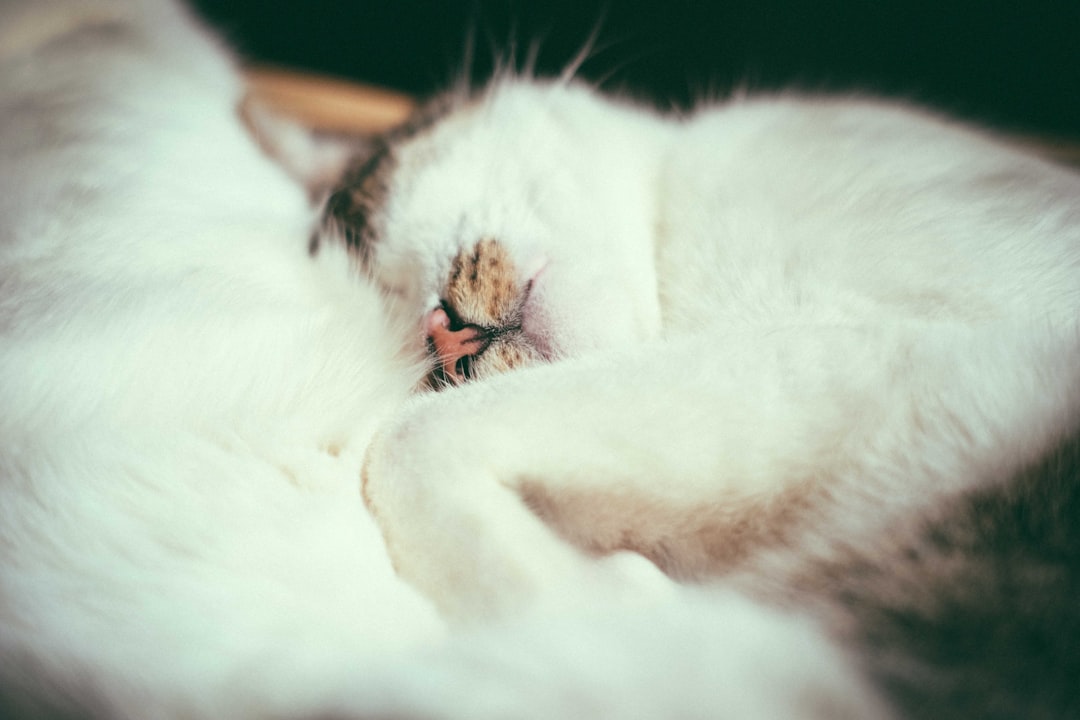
(515, 228)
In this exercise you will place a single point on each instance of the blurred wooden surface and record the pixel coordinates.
(339, 106)
(327, 104)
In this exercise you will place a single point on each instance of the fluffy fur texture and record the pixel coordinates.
(801, 344)
(803, 352)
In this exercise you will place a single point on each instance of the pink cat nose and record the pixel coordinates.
(451, 345)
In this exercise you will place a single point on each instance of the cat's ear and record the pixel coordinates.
(340, 172)
(315, 160)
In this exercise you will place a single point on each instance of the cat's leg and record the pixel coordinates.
(462, 535)
(692, 454)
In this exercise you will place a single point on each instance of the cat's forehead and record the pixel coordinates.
(507, 117)
(465, 178)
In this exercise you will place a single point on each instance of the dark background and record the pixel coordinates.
(1014, 65)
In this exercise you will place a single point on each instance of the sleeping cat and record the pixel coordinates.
(815, 360)
(823, 350)
(187, 400)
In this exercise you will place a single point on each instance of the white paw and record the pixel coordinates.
(459, 535)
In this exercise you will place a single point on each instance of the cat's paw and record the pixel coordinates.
(457, 529)
(452, 529)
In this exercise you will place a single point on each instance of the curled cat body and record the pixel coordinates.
(823, 350)
(763, 412)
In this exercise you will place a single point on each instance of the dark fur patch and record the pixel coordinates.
(353, 205)
(355, 202)
(975, 614)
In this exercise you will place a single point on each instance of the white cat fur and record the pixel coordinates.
(857, 308)
(187, 397)
(835, 293)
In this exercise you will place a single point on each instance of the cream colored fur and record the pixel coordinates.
(820, 304)
(189, 399)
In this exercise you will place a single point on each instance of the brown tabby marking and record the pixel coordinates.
(483, 288)
(356, 200)
(483, 293)
(692, 543)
